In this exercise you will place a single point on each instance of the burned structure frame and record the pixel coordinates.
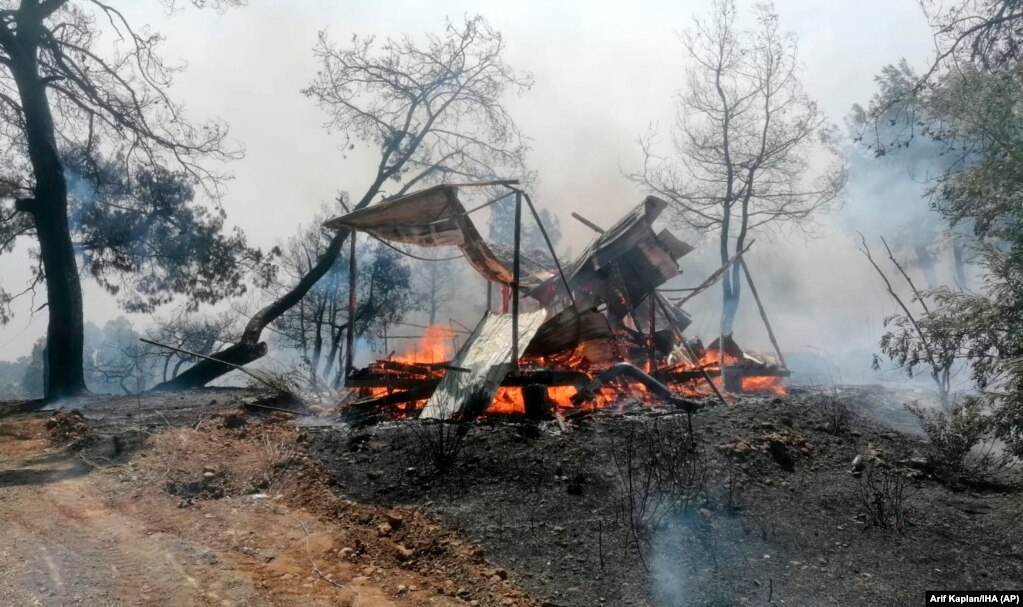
(619, 272)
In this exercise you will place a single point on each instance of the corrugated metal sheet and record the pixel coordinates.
(487, 356)
(433, 217)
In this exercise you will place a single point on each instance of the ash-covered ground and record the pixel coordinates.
(757, 503)
(746, 504)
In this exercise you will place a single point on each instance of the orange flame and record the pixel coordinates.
(589, 358)
(763, 384)
(434, 347)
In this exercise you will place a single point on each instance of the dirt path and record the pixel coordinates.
(78, 530)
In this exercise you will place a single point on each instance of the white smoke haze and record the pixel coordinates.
(604, 73)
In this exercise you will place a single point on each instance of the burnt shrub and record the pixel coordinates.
(662, 474)
(437, 445)
(884, 494)
(828, 402)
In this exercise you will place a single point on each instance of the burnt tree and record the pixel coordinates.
(742, 142)
(434, 111)
(61, 90)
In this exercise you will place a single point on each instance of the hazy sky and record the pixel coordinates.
(603, 70)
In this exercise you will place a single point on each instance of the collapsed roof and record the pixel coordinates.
(613, 286)
(626, 261)
(435, 217)
(624, 264)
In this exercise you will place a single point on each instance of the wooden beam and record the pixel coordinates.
(763, 313)
(586, 222)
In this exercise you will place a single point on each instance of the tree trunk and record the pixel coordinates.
(340, 372)
(249, 348)
(65, 335)
(729, 281)
(177, 367)
(314, 359)
(335, 346)
(200, 374)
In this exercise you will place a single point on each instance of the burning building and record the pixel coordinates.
(592, 334)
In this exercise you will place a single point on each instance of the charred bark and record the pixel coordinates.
(65, 336)
(238, 354)
(249, 348)
(437, 112)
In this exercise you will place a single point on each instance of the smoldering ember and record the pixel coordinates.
(561, 304)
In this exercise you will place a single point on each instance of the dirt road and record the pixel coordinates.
(78, 529)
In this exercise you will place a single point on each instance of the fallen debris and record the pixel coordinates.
(69, 429)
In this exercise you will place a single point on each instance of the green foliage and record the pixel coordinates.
(143, 235)
(974, 112)
(982, 109)
(960, 441)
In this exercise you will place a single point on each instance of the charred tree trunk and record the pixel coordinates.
(314, 361)
(335, 346)
(65, 336)
(249, 348)
(729, 280)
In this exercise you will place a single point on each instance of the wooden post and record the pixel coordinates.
(516, 270)
(350, 335)
(586, 222)
(680, 336)
(537, 401)
(763, 313)
(653, 329)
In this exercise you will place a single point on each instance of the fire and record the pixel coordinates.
(420, 360)
(508, 401)
(434, 347)
(424, 361)
(562, 396)
(763, 384)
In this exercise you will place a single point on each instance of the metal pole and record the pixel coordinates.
(763, 313)
(550, 245)
(680, 336)
(653, 329)
(515, 280)
(350, 335)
